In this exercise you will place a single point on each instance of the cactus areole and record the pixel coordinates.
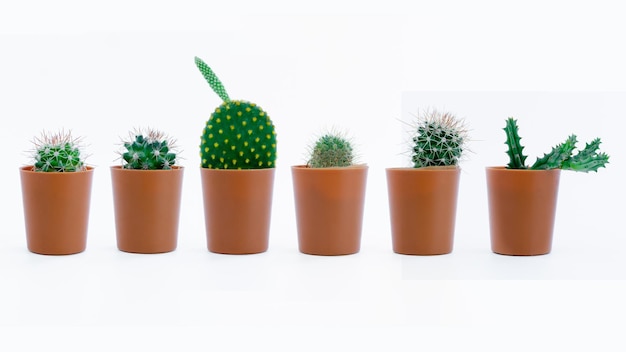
(238, 135)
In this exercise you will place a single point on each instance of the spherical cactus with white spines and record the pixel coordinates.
(151, 150)
(331, 150)
(439, 140)
(58, 152)
(238, 135)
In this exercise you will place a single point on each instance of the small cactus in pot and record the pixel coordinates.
(57, 152)
(238, 135)
(440, 140)
(148, 150)
(238, 160)
(56, 192)
(423, 198)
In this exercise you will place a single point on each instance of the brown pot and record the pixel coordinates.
(56, 210)
(147, 208)
(329, 208)
(522, 207)
(237, 209)
(422, 207)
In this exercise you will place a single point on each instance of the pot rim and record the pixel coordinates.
(505, 169)
(120, 169)
(206, 169)
(29, 169)
(320, 169)
(451, 168)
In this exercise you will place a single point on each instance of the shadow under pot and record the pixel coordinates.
(56, 210)
(237, 209)
(522, 208)
(147, 208)
(329, 208)
(422, 207)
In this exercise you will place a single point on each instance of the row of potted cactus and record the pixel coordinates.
(238, 160)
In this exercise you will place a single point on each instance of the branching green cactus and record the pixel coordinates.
(148, 151)
(238, 135)
(515, 151)
(560, 157)
(439, 140)
(331, 150)
(58, 152)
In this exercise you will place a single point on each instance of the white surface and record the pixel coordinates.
(102, 70)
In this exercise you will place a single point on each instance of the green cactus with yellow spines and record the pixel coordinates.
(238, 135)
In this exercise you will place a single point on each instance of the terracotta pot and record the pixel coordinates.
(422, 206)
(237, 209)
(522, 207)
(329, 208)
(56, 210)
(147, 208)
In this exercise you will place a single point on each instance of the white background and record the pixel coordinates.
(365, 68)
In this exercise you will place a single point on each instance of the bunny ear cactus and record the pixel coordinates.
(238, 135)
(439, 140)
(153, 151)
(58, 152)
(560, 157)
(331, 150)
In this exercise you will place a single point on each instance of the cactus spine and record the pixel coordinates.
(238, 135)
(153, 151)
(439, 140)
(58, 152)
(331, 150)
(560, 157)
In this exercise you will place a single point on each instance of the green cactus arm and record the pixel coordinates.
(557, 156)
(587, 159)
(515, 148)
(214, 82)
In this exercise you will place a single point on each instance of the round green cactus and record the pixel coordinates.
(331, 150)
(238, 135)
(439, 140)
(152, 152)
(58, 152)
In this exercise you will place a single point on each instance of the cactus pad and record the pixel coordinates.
(238, 135)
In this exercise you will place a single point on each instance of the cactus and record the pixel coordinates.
(58, 152)
(154, 151)
(439, 141)
(331, 150)
(560, 157)
(238, 135)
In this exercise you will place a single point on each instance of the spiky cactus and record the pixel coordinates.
(439, 140)
(331, 150)
(238, 135)
(57, 152)
(560, 157)
(151, 150)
